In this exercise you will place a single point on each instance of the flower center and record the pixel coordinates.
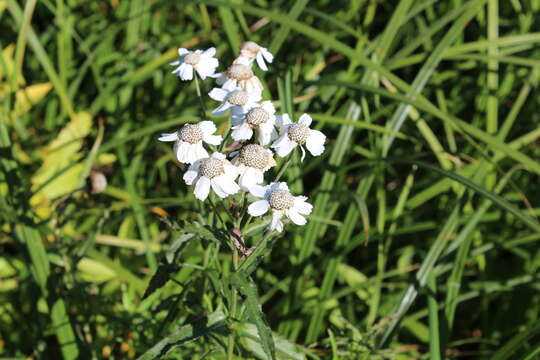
(257, 116)
(191, 133)
(239, 72)
(249, 49)
(192, 58)
(238, 98)
(298, 133)
(281, 200)
(211, 167)
(255, 156)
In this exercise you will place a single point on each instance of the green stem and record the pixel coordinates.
(283, 168)
(199, 94)
(233, 314)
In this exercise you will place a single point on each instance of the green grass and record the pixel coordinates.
(423, 242)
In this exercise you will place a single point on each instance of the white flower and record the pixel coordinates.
(239, 75)
(292, 135)
(239, 100)
(215, 172)
(189, 141)
(203, 62)
(252, 51)
(261, 118)
(252, 161)
(278, 198)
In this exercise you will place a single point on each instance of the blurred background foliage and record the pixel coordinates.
(424, 238)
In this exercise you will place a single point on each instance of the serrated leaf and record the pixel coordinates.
(285, 350)
(245, 286)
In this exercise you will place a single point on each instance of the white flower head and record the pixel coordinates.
(278, 198)
(201, 61)
(252, 51)
(214, 172)
(240, 75)
(252, 161)
(292, 135)
(189, 139)
(236, 99)
(261, 118)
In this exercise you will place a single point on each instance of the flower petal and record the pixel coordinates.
(190, 176)
(209, 52)
(186, 72)
(283, 145)
(305, 119)
(221, 109)
(267, 55)
(218, 94)
(296, 217)
(315, 142)
(258, 208)
(242, 132)
(202, 188)
(258, 190)
(182, 52)
(208, 127)
(169, 137)
(301, 206)
(227, 184)
(217, 188)
(276, 223)
(213, 139)
(260, 62)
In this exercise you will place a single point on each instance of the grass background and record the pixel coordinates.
(424, 238)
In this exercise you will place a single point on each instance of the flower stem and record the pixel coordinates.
(199, 94)
(232, 313)
(283, 168)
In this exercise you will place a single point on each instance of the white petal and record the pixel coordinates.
(282, 120)
(230, 170)
(217, 188)
(218, 94)
(230, 84)
(258, 190)
(217, 155)
(227, 184)
(268, 107)
(284, 145)
(305, 119)
(182, 52)
(221, 78)
(242, 132)
(199, 151)
(213, 139)
(206, 67)
(265, 133)
(281, 186)
(258, 208)
(260, 62)
(181, 151)
(296, 217)
(267, 55)
(186, 72)
(242, 60)
(207, 127)
(221, 109)
(202, 188)
(303, 153)
(315, 142)
(250, 177)
(301, 206)
(276, 223)
(169, 137)
(209, 52)
(189, 176)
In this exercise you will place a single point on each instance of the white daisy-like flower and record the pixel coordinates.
(189, 139)
(201, 61)
(214, 172)
(278, 198)
(261, 118)
(292, 135)
(239, 75)
(252, 161)
(236, 99)
(253, 51)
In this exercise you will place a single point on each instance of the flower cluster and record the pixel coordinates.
(257, 132)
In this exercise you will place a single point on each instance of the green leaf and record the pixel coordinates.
(285, 350)
(190, 332)
(245, 286)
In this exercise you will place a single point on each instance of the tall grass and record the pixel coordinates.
(423, 242)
